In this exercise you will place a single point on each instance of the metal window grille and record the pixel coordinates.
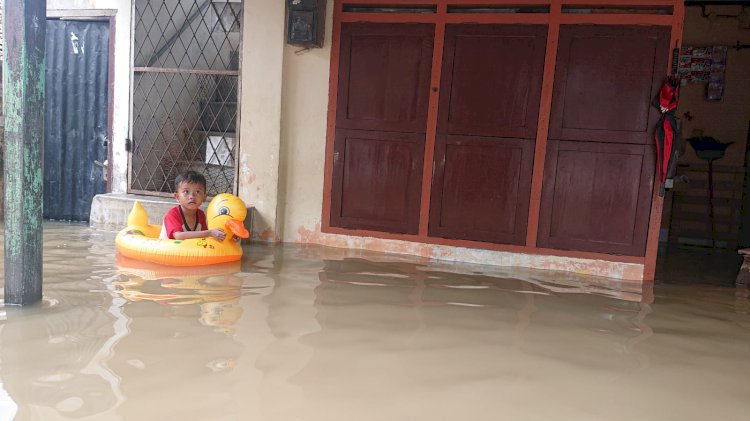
(185, 93)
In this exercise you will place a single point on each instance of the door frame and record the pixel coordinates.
(554, 18)
(101, 15)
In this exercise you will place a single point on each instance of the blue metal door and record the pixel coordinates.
(76, 117)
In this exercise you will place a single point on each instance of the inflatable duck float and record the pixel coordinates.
(140, 240)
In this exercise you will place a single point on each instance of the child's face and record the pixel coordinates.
(190, 195)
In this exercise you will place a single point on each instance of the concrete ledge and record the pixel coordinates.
(110, 211)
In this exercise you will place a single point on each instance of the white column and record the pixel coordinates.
(260, 114)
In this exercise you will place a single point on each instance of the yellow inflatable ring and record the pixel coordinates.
(140, 240)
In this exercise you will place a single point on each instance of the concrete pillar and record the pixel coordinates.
(260, 118)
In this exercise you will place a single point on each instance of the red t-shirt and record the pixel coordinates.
(173, 222)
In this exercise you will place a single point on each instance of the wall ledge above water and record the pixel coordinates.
(110, 211)
(445, 253)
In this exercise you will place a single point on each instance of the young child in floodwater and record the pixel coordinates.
(187, 220)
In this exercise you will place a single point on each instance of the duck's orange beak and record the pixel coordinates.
(237, 228)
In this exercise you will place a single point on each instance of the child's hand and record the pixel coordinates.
(236, 239)
(218, 234)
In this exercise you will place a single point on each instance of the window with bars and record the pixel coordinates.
(185, 93)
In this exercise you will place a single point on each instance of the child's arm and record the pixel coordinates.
(216, 233)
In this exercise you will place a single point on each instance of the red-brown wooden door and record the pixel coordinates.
(489, 102)
(381, 120)
(599, 169)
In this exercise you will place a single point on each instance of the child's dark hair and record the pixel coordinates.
(190, 177)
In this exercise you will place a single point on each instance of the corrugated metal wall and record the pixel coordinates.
(75, 137)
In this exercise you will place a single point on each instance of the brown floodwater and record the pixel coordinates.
(313, 333)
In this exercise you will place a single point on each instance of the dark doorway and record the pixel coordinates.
(76, 140)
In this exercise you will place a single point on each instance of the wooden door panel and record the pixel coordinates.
(597, 197)
(598, 180)
(377, 180)
(491, 79)
(605, 79)
(490, 91)
(381, 119)
(481, 190)
(384, 76)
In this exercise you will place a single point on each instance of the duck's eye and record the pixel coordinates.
(223, 210)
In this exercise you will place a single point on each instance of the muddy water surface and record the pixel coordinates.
(310, 333)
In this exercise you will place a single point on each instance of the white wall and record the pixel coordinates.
(121, 100)
(303, 132)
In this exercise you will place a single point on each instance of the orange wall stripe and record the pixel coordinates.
(657, 203)
(402, 3)
(618, 2)
(438, 3)
(333, 84)
(542, 129)
(432, 115)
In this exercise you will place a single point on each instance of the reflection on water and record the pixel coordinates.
(215, 289)
(308, 333)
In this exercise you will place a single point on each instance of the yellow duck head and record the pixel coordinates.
(227, 211)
